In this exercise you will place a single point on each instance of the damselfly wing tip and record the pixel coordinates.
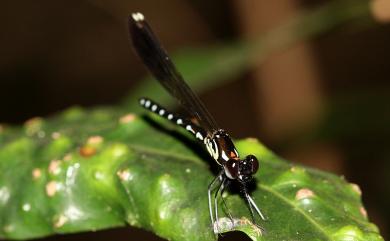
(137, 17)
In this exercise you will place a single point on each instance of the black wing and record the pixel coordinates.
(149, 49)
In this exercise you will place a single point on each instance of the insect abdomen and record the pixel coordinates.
(175, 118)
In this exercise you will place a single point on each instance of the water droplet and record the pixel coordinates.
(60, 221)
(71, 173)
(118, 151)
(125, 175)
(99, 175)
(73, 212)
(54, 167)
(26, 207)
(4, 195)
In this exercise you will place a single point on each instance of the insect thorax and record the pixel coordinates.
(221, 147)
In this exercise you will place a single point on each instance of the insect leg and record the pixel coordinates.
(216, 197)
(211, 187)
(250, 200)
(251, 205)
(224, 201)
(218, 193)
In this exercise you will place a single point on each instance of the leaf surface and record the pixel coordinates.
(90, 170)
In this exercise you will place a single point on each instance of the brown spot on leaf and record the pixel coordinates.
(33, 125)
(87, 151)
(55, 135)
(304, 193)
(51, 188)
(251, 139)
(127, 118)
(33, 121)
(36, 173)
(356, 188)
(93, 140)
(8, 228)
(244, 221)
(363, 211)
(68, 157)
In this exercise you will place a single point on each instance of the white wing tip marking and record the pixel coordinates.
(138, 16)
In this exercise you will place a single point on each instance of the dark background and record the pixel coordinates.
(333, 113)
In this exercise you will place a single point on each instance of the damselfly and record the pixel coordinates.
(199, 122)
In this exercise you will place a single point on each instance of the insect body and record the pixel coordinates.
(199, 122)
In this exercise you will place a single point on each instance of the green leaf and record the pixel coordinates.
(89, 170)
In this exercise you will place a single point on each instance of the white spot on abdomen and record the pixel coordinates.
(189, 128)
(199, 136)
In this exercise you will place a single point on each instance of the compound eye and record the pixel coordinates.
(253, 163)
(231, 169)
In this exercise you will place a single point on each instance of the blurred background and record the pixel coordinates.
(310, 79)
